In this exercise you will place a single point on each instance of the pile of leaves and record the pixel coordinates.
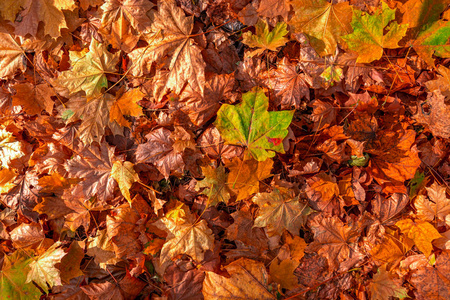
(224, 149)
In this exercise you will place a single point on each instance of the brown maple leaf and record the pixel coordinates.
(159, 151)
(289, 86)
(93, 164)
(332, 239)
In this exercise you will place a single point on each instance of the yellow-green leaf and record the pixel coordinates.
(421, 232)
(265, 39)
(125, 175)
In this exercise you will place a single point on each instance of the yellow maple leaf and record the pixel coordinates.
(127, 105)
(421, 232)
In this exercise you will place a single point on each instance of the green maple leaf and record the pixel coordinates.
(265, 40)
(215, 184)
(88, 70)
(249, 124)
(368, 38)
(431, 40)
(13, 277)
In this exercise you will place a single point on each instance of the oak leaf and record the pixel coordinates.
(322, 22)
(249, 280)
(249, 124)
(265, 40)
(126, 104)
(280, 210)
(88, 70)
(43, 269)
(125, 175)
(171, 36)
(369, 38)
(421, 232)
(245, 175)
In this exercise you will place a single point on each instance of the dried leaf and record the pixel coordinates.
(421, 232)
(249, 280)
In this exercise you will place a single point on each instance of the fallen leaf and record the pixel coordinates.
(264, 39)
(290, 87)
(433, 113)
(436, 206)
(332, 239)
(433, 282)
(125, 175)
(372, 33)
(215, 184)
(43, 269)
(383, 286)
(127, 105)
(170, 35)
(13, 278)
(249, 280)
(9, 148)
(283, 273)
(94, 165)
(421, 232)
(33, 97)
(322, 22)
(249, 124)
(245, 175)
(89, 68)
(279, 211)
(159, 151)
